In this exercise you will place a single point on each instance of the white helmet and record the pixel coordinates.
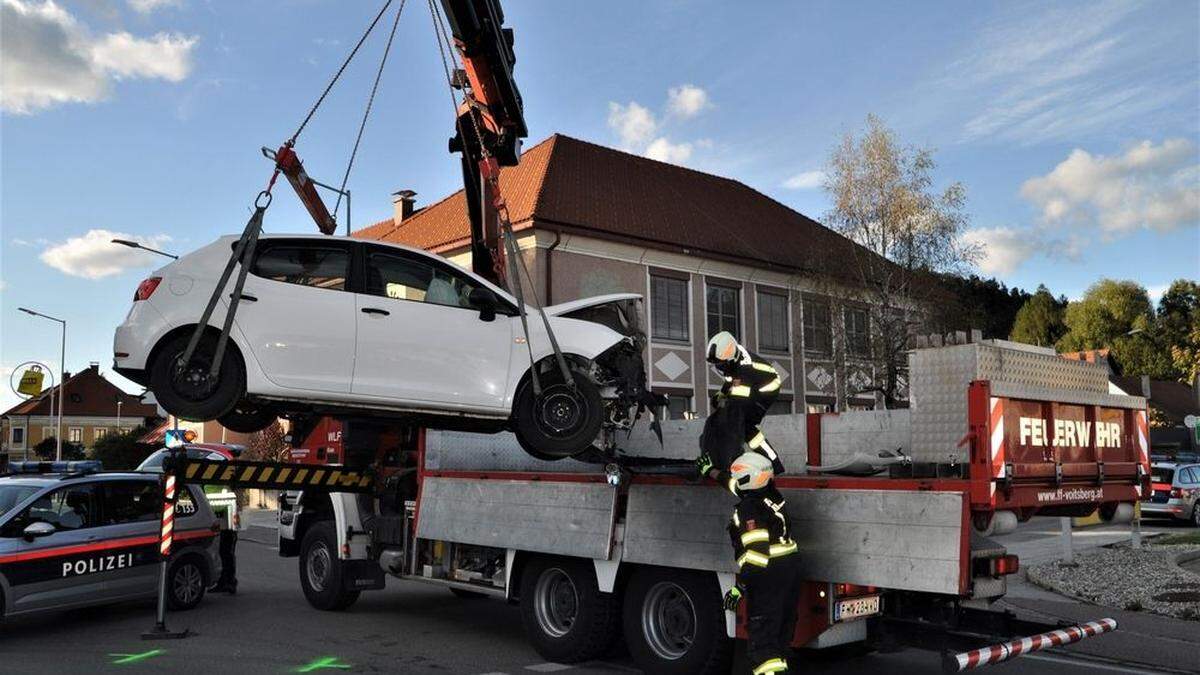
(750, 471)
(723, 347)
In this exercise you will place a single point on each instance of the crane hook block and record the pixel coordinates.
(289, 165)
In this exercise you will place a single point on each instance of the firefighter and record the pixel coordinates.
(768, 569)
(751, 386)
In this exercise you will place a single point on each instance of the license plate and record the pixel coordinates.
(856, 608)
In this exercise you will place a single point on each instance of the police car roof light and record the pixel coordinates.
(77, 467)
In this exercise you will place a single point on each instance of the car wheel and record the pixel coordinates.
(566, 617)
(247, 418)
(563, 421)
(674, 622)
(185, 583)
(1196, 514)
(187, 390)
(321, 570)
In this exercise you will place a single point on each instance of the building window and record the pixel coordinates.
(818, 338)
(819, 408)
(75, 435)
(101, 432)
(858, 335)
(773, 321)
(669, 308)
(723, 310)
(679, 407)
(16, 436)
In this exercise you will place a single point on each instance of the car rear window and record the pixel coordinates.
(1161, 474)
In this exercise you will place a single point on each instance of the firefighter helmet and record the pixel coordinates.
(750, 471)
(723, 347)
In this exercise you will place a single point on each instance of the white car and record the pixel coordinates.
(345, 326)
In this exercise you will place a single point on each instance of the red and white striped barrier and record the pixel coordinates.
(168, 517)
(1004, 651)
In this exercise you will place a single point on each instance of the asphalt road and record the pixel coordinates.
(417, 628)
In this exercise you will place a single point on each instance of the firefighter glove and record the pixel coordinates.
(732, 597)
(704, 464)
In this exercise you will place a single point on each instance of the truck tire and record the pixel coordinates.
(186, 583)
(674, 622)
(321, 570)
(566, 617)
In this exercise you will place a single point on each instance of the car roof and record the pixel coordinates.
(45, 479)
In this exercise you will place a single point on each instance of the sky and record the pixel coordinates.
(1075, 127)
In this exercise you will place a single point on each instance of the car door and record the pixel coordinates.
(420, 341)
(297, 315)
(56, 570)
(131, 513)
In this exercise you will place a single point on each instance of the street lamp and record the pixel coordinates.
(134, 244)
(62, 383)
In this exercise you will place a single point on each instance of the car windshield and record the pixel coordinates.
(1162, 474)
(11, 495)
(155, 461)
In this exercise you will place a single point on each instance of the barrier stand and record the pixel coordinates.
(165, 539)
(1068, 549)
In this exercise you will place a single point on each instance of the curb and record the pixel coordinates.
(1176, 561)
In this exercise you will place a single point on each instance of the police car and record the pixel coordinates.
(72, 536)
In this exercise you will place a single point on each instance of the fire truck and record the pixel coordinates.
(894, 513)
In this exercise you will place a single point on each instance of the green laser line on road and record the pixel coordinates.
(120, 659)
(322, 663)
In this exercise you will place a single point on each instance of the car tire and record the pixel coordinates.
(247, 418)
(185, 396)
(321, 570)
(674, 622)
(566, 617)
(1196, 515)
(563, 421)
(186, 583)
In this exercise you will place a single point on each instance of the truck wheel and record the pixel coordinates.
(321, 570)
(566, 617)
(563, 421)
(185, 583)
(674, 622)
(187, 390)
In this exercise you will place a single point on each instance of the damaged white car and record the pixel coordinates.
(346, 326)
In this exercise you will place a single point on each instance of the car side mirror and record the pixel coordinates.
(484, 300)
(39, 529)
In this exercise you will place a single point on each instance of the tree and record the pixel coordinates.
(1179, 327)
(268, 445)
(974, 302)
(1117, 315)
(884, 200)
(48, 448)
(1040, 320)
(122, 451)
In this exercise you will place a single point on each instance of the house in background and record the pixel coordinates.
(709, 254)
(92, 408)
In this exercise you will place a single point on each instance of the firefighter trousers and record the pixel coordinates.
(772, 597)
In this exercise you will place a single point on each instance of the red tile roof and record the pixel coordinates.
(568, 184)
(87, 394)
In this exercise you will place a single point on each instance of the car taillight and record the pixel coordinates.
(146, 288)
(1176, 493)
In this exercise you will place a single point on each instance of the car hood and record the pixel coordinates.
(583, 303)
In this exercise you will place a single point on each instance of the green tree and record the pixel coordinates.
(120, 452)
(974, 302)
(47, 449)
(1117, 315)
(1179, 327)
(1040, 320)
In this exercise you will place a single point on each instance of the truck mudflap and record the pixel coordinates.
(362, 575)
(970, 638)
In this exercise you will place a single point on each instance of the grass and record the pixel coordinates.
(1189, 538)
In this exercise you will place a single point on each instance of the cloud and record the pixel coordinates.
(1148, 187)
(1053, 72)
(1155, 291)
(4, 286)
(1004, 248)
(805, 180)
(93, 255)
(47, 58)
(687, 100)
(148, 6)
(634, 124)
(664, 150)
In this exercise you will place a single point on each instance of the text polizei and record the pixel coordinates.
(101, 563)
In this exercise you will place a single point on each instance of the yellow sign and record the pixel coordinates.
(31, 381)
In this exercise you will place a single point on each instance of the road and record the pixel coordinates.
(417, 628)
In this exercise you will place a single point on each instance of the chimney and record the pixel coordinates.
(403, 205)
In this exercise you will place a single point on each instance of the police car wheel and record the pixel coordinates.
(566, 617)
(674, 622)
(321, 570)
(187, 390)
(185, 584)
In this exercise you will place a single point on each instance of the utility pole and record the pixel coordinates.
(62, 383)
